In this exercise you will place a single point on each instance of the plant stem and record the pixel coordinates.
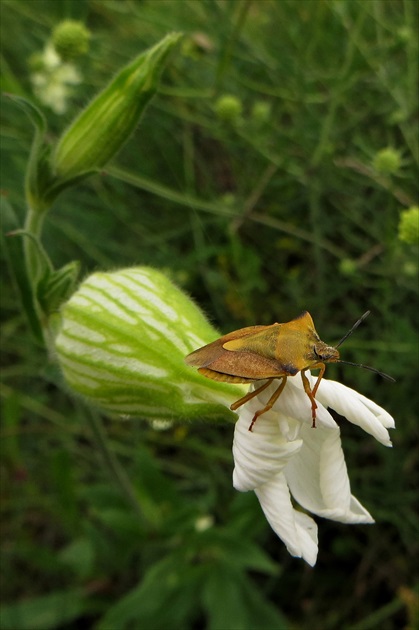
(33, 225)
(229, 46)
(114, 468)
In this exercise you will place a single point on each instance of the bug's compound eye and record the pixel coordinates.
(317, 353)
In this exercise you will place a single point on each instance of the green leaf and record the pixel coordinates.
(262, 614)
(34, 114)
(243, 554)
(79, 556)
(56, 186)
(41, 259)
(125, 523)
(52, 287)
(160, 190)
(165, 598)
(57, 286)
(13, 249)
(233, 601)
(223, 600)
(38, 173)
(45, 612)
(62, 476)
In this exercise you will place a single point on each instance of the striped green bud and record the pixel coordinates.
(122, 342)
(104, 126)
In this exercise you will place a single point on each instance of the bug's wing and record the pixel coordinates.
(218, 363)
(249, 366)
(262, 342)
(212, 351)
(226, 378)
(288, 344)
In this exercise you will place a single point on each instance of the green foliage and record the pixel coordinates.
(258, 221)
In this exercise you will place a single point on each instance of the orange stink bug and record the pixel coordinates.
(259, 353)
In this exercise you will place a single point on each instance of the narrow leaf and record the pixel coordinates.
(45, 612)
(13, 249)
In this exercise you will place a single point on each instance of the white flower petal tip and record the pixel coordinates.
(357, 409)
(297, 530)
(360, 514)
(352, 516)
(386, 420)
(284, 454)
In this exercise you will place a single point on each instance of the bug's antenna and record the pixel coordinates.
(371, 369)
(354, 327)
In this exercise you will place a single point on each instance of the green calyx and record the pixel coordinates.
(122, 342)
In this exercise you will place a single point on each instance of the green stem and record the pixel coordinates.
(228, 48)
(33, 225)
(115, 470)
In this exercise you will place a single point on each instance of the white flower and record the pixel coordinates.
(284, 456)
(53, 82)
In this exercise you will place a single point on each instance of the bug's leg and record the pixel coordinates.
(319, 378)
(250, 395)
(310, 393)
(270, 402)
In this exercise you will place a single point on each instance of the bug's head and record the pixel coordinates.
(324, 353)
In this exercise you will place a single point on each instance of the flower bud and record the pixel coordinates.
(108, 121)
(122, 342)
(348, 267)
(409, 226)
(387, 161)
(228, 108)
(261, 112)
(70, 39)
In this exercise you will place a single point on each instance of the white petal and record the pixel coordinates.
(260, 454)
(318, 478)
(297, 530)
(293, 402)
(381, 414)
(358, 510)
(353, 406)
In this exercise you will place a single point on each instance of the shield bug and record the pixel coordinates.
(265, 353)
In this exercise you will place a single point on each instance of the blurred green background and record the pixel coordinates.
(267, 177)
